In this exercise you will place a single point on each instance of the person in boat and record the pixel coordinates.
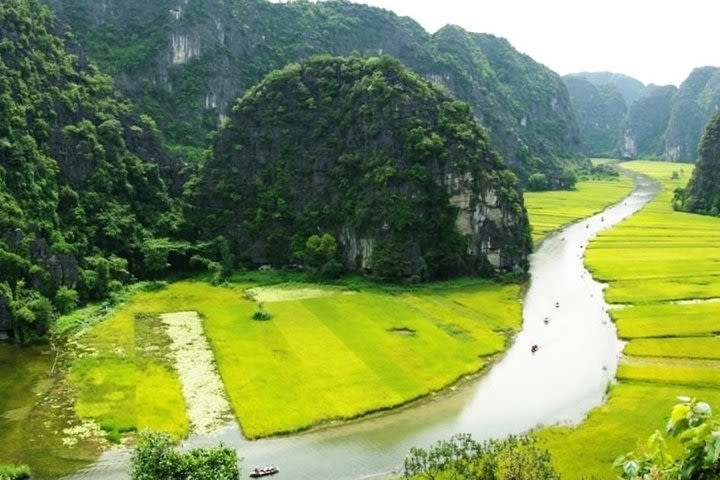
(546, 320)
(534, 348)
(557, 304)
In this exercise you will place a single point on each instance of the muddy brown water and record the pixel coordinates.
(577, 356)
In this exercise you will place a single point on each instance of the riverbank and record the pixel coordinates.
(653, 263)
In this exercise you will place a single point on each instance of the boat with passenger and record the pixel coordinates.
(265, 471)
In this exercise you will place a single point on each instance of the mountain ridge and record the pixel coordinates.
(201, 55)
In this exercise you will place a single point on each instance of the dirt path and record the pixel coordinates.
(202, 387)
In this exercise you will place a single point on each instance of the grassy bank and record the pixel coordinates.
(654, 262)
(549, 211)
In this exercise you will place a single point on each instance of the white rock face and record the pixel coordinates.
(210, 101)
(673, 153)
(629, 147)
(221, 32)
(357, 247)
(473, 213)
(184, 48)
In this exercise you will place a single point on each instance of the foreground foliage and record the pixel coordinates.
(462, 458)
(691, 422)
(10, 472)
(155, 458)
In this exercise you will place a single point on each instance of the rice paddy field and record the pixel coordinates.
(548, 211)
(663, 268)
(328, 353)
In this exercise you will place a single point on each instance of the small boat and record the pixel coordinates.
(265, 471)
(534, 348)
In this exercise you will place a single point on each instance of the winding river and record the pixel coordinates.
(577, 356)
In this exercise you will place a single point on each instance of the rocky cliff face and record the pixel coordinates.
(524, 105)
(600, 110)
(186, 61)
(702, 194)
(660, 122)
(397, 171)
(644, 127)
(694, 104)
(630, 88)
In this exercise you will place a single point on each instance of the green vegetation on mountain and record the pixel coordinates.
(630, 88)
(391, 166)
(185, 63)
(694, 104)
(600, 110)
(702, 193)
(645, 123)
(659, 122)
(80, 186)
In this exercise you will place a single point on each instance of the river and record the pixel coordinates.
(564, 314)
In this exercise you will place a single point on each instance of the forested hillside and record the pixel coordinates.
(694, 104)
(644, 126)
(600, 111)
(657, 122)
(365, 153)
(702, 194)
(82, 199)
(185, 62)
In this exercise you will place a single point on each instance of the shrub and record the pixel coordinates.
(66, 299)
(261, 314)
(155, 458)
(538, 182)
(462, 458)
(691, 422)
(10, 472)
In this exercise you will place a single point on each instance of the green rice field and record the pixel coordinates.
(332, 353)
(548, 211)
(660, 266)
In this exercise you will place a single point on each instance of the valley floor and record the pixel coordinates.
(662, 267)
(329, 353)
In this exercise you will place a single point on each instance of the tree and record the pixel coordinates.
(462, 458)
(32, 313)
(320, 249)
(569, 179)
(66, 299)
(538, 182)
(155, 458)
(320, 255)
(691, 422)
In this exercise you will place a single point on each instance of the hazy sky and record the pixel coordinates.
(658, 41)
